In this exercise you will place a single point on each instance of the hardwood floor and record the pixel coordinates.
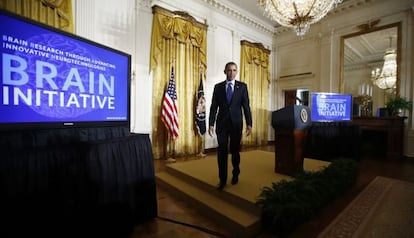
(177, 219)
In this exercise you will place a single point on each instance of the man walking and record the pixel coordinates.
(230, 100)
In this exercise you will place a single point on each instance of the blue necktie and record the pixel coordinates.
(229, 92)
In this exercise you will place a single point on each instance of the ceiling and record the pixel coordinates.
(252, 7)
(367, 48)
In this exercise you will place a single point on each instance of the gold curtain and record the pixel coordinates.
(56, 13)
(255, 72)
(177, 39)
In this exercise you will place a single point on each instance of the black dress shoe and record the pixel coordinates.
(234, 180)
(220, 186)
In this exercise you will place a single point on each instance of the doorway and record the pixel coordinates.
(297, 97)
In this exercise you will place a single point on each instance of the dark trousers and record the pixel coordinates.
(232, 135)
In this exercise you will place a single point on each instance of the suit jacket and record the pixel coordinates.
(221, 110)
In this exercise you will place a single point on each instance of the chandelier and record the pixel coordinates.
(297, 14)
(387, 77)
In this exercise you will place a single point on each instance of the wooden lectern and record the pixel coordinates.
(290, 124)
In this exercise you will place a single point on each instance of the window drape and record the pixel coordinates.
(51, 12)
(255, 72)
(179, 40)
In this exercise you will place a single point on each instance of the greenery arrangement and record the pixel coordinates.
(397, 104)
(287, 204)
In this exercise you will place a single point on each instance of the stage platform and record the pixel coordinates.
(234, 207)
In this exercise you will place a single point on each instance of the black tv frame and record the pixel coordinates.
(19, 126)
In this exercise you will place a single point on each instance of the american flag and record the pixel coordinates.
(169, 113)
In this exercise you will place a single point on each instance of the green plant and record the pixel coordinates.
(288, 204)
(397, 104)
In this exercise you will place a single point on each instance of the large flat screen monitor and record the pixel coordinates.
(50, 78)
(327, 107)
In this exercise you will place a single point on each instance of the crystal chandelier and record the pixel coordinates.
(387, 77)
(297, 14)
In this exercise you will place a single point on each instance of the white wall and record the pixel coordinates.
(319, 51)
(126, 25)
(311, 62)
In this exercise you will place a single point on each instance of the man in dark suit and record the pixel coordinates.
(230, 100)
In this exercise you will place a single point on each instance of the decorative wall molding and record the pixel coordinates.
(297, 76)
(370, 25)
(348, 5)
(220, 7)
(212, 27)
(345, 6)
(179, 14)
(144, 3)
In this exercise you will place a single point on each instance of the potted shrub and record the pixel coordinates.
(397, 105)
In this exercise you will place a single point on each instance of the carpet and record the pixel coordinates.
(384, 209)
(257, 170)
(194, 182)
